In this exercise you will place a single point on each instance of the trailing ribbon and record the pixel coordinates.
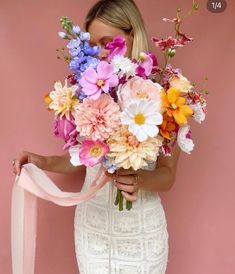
(33, 183)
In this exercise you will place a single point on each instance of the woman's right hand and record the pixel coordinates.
(28, 157)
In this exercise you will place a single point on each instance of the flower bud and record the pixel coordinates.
(62, 34)
(171, 52)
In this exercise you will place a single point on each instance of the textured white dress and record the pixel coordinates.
(109, 241)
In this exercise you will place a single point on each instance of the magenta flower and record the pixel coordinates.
(93, 83)
(184, 39)
(116, 47)
(92, 152)
(66, 129)
(169, 42)
(145, 66)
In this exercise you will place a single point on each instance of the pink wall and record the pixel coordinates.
(200, 205)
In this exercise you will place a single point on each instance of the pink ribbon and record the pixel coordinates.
(33, 183)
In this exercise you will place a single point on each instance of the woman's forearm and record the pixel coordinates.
(161, 179)
(60, 164)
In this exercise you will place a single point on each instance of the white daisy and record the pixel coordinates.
(63, 99)
(186, 144)
(142, 119)
(123, 65)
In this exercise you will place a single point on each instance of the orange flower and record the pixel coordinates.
(175, 106)
(167, 127)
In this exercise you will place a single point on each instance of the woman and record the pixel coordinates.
(109, 241)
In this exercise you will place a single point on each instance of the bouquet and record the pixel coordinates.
(121, 112)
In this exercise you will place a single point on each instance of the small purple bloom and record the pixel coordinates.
(84, 36)
(74, 46)
(76, 29)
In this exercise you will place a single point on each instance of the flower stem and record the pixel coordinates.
(128, 205)
(120, 201)
(117, 198)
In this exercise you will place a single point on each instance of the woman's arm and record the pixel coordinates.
(163, 177)
(58, 164)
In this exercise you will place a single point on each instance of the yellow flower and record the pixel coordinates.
(62, 100)
(175, 106)
(127, 152)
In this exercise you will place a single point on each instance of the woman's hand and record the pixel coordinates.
(128, 181)
(26, 157)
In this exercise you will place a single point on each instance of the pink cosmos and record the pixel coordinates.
(66, 129)
(92, 152)
(116, 47)
(94, 82)
(97, 119)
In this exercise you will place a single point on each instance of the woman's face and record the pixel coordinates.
(102, 33)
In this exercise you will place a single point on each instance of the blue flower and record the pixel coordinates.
(109, 165)
(75, 63)
(74, 46)
(92, 51)
(84, 36)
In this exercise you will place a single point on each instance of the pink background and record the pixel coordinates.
(200, 206)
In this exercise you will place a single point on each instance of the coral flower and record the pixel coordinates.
(93, 83)
(92, 152)
(62, 100)
(127, 152)
(97, 119)
(175, 106)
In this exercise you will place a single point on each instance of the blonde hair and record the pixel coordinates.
(124, 15)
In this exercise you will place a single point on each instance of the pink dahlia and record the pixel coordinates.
(94, 82)
(97, 119)
(92, 152)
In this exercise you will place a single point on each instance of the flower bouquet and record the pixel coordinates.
(121, 112)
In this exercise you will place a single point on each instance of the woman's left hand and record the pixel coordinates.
(128, 181)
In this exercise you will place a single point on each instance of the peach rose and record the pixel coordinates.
(139, 88)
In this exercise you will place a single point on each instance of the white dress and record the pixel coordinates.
(109, 241)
